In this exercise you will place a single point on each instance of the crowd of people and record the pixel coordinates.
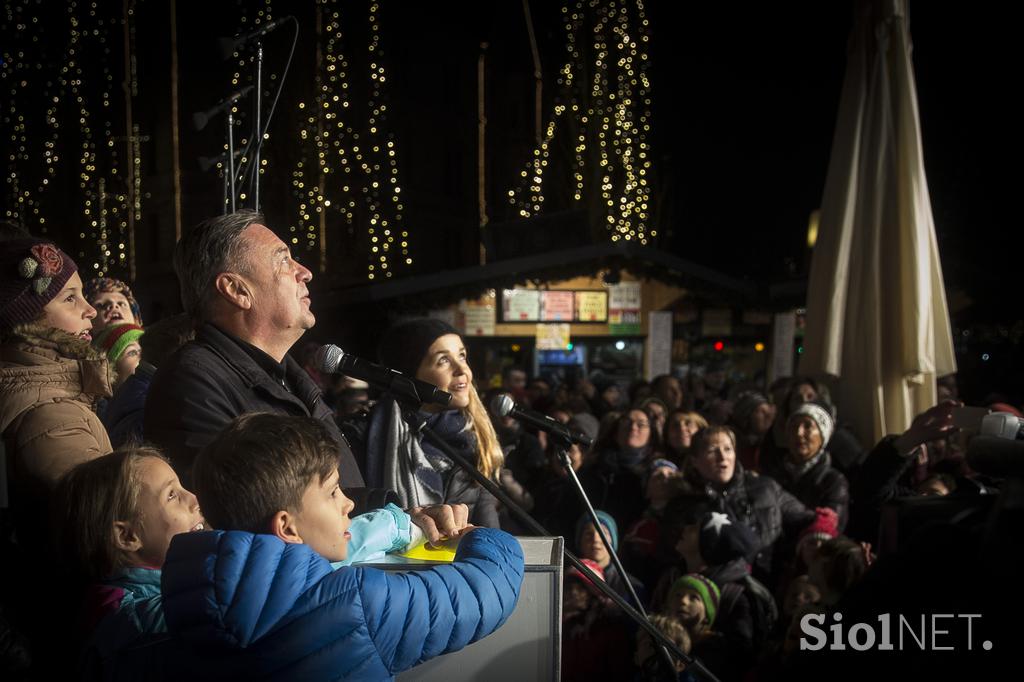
(196, 497)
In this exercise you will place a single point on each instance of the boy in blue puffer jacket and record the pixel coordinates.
(260, 599)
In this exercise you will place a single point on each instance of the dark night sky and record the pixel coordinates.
(745, 104)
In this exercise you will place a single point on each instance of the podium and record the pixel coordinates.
(527, 646)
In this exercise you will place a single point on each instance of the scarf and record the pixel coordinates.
(406, 463)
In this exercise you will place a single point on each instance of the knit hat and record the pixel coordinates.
(574, 572)
(100, 285)
(744, 407)
(405, 344)
(821, 416)
(116, 338)
(607, 521)
(703, 586)
(658, 464)
(723, 539)
(585, 423)
(824, 527)
(32, 272)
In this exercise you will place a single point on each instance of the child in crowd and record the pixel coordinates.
(839, 565)
(595, 637)
(646, 554)
(116, 516)
(650, 660)
(591, 547)
(824, 527)
(693, 601)
(50, 377)
(113, 301)
(120, 343)
(259, 597)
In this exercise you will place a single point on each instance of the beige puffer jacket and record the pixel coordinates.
(49, 384)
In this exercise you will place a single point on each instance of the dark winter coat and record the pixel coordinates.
(760, 503)
(124, 414)
(819, 486)
(210, 381)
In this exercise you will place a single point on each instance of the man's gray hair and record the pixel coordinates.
(210, 248)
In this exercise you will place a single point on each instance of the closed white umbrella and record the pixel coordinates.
(877, 317)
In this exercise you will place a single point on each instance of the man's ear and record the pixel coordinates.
(282, 526)
(125, 537)
(233, 288)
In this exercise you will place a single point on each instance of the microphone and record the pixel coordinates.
(333, 360)
(229, 45)
(503, 406)
(201, 118)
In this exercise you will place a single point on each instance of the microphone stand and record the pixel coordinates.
(229, 172)
(257, 130)
(417, 424)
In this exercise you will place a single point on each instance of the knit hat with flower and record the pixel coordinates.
(101, 285)
(116, 338)
(32, 272)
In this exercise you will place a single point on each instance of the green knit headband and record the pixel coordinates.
(706, 588)
(114, 340)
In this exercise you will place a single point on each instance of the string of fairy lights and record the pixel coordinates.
(61, 63)
(610, 116)
(348, 172)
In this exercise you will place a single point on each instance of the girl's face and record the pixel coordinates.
(680, 432)
(716, 462)
(165, 509)
(445, 366)
(591, 546)
(69, 311)
(634, 429)
(688, 607)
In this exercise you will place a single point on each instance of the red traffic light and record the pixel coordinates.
(719, 346)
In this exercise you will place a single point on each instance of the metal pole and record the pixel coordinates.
(230, 170)
(259, 128)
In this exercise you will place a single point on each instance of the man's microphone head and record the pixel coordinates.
(328, 358)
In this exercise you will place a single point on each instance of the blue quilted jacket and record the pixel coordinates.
(252, 606)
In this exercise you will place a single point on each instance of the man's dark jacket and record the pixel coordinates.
(212, 380)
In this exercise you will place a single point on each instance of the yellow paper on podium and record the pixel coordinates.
(425, 552)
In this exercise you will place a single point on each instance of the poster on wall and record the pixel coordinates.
(520, 305)
(624, 308)
(556, 306)
(624, 296)
(552, 336)
(592, 306)
(478, 317)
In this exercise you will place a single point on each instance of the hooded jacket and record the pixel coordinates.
(247, 606)
(50, 381)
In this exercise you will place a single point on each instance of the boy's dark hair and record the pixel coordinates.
(844, 563)
(259, 465)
